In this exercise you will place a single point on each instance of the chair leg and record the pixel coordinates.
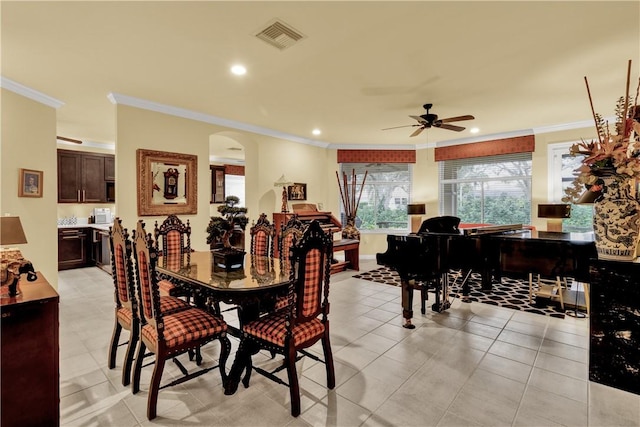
(225, 350)
(154, 387)
(328, 359)
(294, 387)
(113, 347)
(560, 296)
(128, 358)
(137, 368)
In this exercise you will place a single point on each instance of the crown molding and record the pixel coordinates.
(144, 104)
(27, 92)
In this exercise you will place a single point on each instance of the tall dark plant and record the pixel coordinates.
(220, 228)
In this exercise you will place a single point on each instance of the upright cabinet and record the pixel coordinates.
(614, 351)
(84, 177)
(29, 356)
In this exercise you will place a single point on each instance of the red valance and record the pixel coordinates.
(376, 156)
(233, 170)
(519, 144)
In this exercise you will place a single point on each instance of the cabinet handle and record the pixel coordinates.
(76, 237)
(78, 198)
(84, 195)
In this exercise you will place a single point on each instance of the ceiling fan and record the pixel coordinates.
(428, 120)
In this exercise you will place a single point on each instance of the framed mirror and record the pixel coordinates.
(167, 183)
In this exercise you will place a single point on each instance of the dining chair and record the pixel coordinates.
(169, 335)
(126, 302)
(302, 323)
(173, 243)
(262, 237)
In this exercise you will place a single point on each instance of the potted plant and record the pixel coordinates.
(221, 229)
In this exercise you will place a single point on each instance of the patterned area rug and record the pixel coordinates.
(511, 293)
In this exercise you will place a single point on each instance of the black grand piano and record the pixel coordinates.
(440, 246)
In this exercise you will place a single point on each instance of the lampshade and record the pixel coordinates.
(554, 211)
(416, 209)
(11, 232)
(282, 182)
(588, 197)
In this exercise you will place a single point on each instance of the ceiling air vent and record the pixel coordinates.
(280, 35)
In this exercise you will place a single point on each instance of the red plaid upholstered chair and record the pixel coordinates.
(290, 233)
(173, 243)
(305, 319)
(262, 233)
(126, 310)
(169, 335)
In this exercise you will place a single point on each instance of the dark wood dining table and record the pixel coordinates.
(253, 287)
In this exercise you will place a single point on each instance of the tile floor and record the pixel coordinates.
(474, 365)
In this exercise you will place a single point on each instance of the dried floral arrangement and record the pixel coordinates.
(615, 155)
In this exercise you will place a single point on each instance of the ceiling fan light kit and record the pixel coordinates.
(429, 120)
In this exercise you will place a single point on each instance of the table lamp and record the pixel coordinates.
(284, 183)
(416, 210)
(555, 213)
(13, 263)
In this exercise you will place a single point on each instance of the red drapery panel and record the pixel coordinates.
(376, 156)
(519, 144)
(233, 170)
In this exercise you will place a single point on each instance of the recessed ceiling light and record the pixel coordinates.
(316, 132)
(239, 70)
(474, 130)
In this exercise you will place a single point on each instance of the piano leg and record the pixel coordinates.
(407, 303)
(442, 294)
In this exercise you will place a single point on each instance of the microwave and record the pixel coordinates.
(102, 216)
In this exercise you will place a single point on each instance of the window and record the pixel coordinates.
(561, 175)
(383, 203)
(487, 190)
(234, 186)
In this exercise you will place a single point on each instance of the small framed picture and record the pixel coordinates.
(297, 191)
(31, 183)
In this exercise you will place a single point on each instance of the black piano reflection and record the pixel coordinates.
(439, 247)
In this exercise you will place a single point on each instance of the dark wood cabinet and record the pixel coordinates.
(82, 177)
(614, 350)
(73, 247)
(29, 354)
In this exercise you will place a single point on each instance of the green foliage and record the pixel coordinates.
(219, 228)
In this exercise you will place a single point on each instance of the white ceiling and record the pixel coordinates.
(362, 66)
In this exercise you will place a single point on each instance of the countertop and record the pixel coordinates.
(104, 227)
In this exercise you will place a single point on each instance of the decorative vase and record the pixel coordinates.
(616, 222)
(350, 231)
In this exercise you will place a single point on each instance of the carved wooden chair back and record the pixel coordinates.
(290, 233)
(173, 238)
(126, 310)
(169, 334)
(262, 234)
(305, 320)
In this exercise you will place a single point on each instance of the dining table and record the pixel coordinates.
(252, 286)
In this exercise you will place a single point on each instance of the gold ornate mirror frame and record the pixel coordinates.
(167, 183)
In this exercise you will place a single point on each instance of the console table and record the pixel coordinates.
(614, 351)
(29, 353)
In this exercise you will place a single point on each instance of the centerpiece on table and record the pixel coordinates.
(611, 168)
(220, 231)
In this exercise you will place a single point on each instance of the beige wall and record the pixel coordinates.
(29, 142)
(266, 158)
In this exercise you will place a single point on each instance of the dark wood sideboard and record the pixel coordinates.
(29, 354)
(614, 351)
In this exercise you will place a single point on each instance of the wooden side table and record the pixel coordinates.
(29, 355)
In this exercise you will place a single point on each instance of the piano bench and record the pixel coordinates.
(351, 249)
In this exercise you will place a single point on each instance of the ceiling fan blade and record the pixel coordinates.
(418, 119)
(457, 119)
(450, 127)
(397, 127)
(417, 131)
(64, 138)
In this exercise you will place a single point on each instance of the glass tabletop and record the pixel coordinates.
(205, 269)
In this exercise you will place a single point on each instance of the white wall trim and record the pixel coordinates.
(30, 93)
